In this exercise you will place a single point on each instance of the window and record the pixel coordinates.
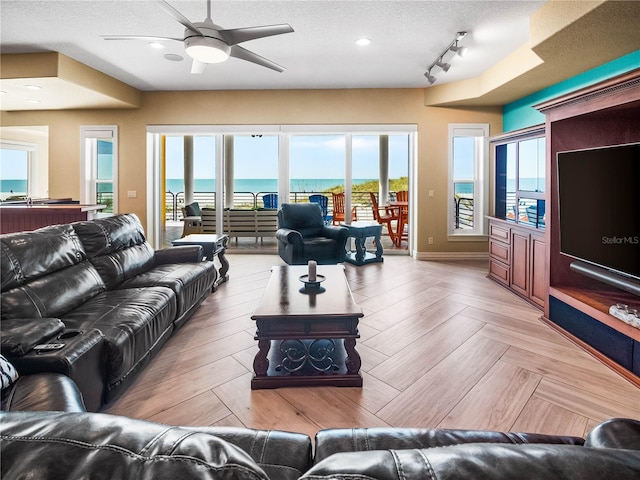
(98, 169)
(15, 167)
(520, 178)
(467, 204)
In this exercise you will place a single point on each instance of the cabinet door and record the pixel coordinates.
(520, 262)
(538, 284)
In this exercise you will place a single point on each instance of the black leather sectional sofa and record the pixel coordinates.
(53, 445)
(98, 288)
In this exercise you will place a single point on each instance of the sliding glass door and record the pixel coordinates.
(240, 168)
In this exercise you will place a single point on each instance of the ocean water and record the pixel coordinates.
(256, 185)
(527, 184)
(13, 187)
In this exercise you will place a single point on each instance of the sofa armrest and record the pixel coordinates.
(334, 232)
(19, 335)
(46, 392)
(82, 359)
(615, 433)
(179, 254)
(287, 235)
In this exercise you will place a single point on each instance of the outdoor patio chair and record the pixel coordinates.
(338, 209)
(270, 200)
(323, 201)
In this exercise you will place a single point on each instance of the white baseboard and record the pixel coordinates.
(451, 255)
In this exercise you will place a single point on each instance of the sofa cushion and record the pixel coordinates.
(193, 209)
(116, 267)
(110, 234)
(191, 282)
(282, 455)
(481, 461)
(25, 256)
(99, 446)
(334, 440)
(134, 322)
(54, 294)
(117, 247)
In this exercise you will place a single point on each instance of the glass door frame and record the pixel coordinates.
(284, 132)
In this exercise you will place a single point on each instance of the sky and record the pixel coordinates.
(13, 165)
(317, 156)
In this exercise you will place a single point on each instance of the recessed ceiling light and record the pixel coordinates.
(33, 101)
(173, 57)
(156, 45)
(363, 42)
(33, 87)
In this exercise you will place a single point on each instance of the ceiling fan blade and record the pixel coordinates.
(140, 37)
(179, 17)
(239, 35)
(244, 54)
(198, 67)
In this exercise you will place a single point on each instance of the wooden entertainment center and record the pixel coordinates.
(604, 114)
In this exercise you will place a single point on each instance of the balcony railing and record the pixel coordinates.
(252, 200)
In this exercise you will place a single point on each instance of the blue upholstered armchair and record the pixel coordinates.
(303, 236)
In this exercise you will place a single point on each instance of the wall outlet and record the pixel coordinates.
(132, 194)
(430, 240)
(431, 193)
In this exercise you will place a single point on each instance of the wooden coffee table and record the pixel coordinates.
(307, 339)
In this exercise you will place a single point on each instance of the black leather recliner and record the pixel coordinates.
(303, 236)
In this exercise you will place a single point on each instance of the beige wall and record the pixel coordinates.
(365, 106)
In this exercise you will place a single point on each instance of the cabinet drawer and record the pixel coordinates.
(499, 250)
(499, 232)
(499, 271)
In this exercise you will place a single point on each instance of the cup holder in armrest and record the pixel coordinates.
(69, 334)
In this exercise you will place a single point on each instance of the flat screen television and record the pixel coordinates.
(599, 202)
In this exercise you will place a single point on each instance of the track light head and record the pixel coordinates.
(444, 66)
(430, 78)
(458, 50)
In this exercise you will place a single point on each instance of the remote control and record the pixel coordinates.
(47, 347)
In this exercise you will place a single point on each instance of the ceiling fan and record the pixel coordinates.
(207, 42)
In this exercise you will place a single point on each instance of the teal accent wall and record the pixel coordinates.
(521, 114)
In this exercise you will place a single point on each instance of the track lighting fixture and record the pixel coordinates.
(439, 62)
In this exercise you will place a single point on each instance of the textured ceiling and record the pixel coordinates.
(321, 53)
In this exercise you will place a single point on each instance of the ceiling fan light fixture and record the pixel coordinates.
(207, 49)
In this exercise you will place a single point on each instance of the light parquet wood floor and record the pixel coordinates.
(441, 346)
